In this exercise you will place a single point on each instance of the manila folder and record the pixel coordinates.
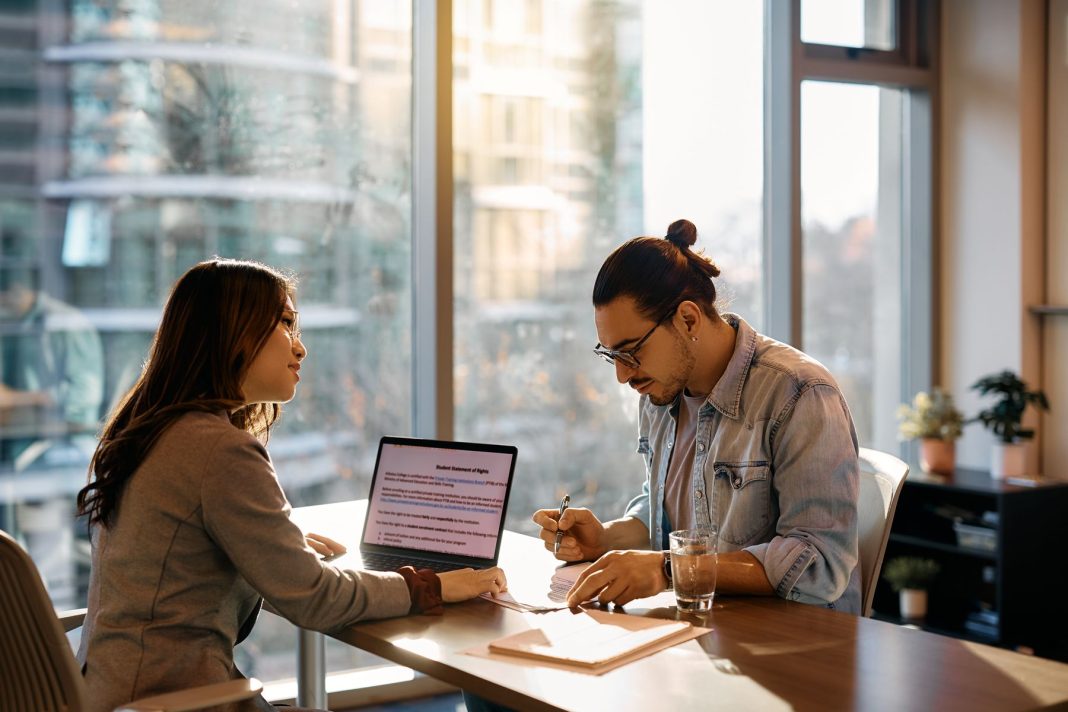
(592, 638)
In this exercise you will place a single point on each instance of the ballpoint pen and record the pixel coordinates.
(559, 534)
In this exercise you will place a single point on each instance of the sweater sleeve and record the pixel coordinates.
(247, 515)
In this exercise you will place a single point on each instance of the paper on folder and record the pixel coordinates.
(592, 639)
(531, 596)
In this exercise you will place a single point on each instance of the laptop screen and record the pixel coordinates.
(442, 497)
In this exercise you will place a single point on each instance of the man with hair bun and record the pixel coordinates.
(735, 429)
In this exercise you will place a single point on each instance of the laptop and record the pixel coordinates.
(436, 504)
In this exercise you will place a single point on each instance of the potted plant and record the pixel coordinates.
(935, 420)
(1008, 458)
(910, 576)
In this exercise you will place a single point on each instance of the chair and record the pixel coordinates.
(37, 668)
(881, 478)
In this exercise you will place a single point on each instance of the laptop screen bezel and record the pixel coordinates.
(472, 561)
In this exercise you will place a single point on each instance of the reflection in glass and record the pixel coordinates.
(851, 145)
(850, 23)
(139, 137)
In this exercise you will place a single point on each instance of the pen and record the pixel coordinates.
(559, 534)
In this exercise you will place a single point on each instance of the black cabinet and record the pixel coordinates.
(1003, 551)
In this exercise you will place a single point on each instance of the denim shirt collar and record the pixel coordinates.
(726, 396)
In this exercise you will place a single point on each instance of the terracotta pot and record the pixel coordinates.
(938, 456)
(913, 603)
(1008, 460)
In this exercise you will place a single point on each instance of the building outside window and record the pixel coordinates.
(143, 136)
(633, 114)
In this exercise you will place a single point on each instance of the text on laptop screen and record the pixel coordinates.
(438, 499)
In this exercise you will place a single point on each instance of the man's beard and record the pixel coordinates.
(680, 376)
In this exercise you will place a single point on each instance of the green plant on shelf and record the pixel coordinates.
(1004, 417)
(910, 572)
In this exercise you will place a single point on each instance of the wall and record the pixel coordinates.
(1055, 341)
(992, 245)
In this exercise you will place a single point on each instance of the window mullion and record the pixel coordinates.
(432, 229)
(782, 166)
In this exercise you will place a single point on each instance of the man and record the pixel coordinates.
(736, 430)
(51, 372)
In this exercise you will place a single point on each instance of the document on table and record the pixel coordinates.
(590, 641)
(524, 595)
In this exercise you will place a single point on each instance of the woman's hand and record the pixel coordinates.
(463, 584)
(324, 546)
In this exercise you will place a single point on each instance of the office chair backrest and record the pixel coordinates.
(881, 478)
(37, 669)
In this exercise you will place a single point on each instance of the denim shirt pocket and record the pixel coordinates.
(742, 500)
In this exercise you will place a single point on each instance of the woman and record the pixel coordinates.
(188, 522)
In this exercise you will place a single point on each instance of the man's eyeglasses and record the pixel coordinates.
(629, 357)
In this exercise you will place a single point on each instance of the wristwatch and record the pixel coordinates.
(667, 569)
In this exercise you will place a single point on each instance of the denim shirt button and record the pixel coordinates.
(700, 447)
(699, 494)
(736, 480)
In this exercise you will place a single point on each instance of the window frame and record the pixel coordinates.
(788, 62)
(913, 67)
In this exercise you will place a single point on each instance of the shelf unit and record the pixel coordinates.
(1056, 309)
(1014, 594)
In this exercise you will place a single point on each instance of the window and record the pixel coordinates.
(651, 112)
(871, 24)
(151, 136)
(851, 246)
(848, 217)
(138, 138)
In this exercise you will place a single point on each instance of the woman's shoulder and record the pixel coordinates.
(203, 432)
(206, 443)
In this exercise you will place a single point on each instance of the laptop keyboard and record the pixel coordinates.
(385, 562)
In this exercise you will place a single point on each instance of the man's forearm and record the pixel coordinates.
(739, 572)
(626, 533)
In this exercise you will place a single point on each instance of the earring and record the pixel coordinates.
(693, 338)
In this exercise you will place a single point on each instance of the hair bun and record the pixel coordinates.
(682, 234)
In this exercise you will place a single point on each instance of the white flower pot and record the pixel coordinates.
(1008, 460)
(913, 603)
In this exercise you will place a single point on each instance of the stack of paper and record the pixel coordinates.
(508, 600)
(522, 597)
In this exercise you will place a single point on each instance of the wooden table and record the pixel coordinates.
(763, 654)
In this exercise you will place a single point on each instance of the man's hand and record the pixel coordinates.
(583, 539)
(620, 577)
(463, 584)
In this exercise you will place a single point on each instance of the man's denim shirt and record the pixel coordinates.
(775, 467)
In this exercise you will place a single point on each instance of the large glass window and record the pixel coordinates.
(578, 125)
(851, 225)
(139, 137)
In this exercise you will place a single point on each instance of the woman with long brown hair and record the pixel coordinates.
(189, 526)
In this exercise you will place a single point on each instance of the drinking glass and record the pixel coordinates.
(693, 568)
